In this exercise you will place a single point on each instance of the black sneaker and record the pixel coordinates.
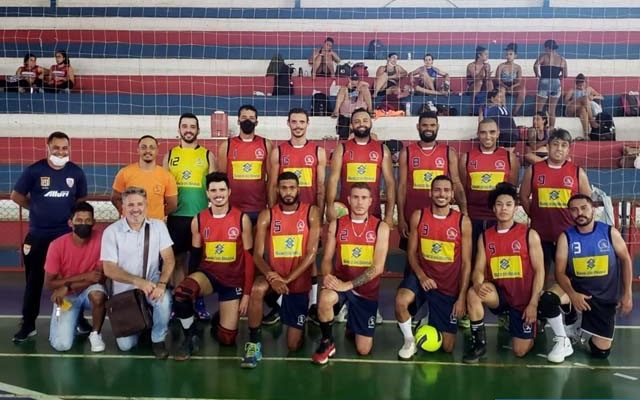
(474, 354)
(160, 350)
(83, 327)
(312, 315)
(187, 346)
(272, 318)
(25, 332)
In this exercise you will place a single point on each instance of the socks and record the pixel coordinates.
(325, 328)
(557, 326)
(313, 294)
(405, 328)
(255, 335)
(186, 322)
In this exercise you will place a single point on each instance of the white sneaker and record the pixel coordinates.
(342, 314)
(561, 349)
(97, 344)
(408, 349)
(379, 319)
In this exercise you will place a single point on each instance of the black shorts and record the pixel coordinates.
(440, 305)
(517, 327)
(180, 231)
(361, 318)
(601, 320)
(477, 227)
(225, 293)
(549, 252)
(343, 127)
(294, 309)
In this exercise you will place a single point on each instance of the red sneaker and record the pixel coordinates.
(326, 350)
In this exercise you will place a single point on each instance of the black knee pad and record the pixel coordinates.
(597, 352)
(549, 305)
(183, 309)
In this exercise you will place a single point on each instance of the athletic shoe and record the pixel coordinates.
(464, 322)
(312, 315)
(408, 349)
(25, 332)
(379, 319)
(97, 344)
(474, 354)
(201, 310)
(186, 347)
(252, 355)
(342, 314)
(272, 318)
(160, 350)
(324, 352)
(83, 327)
(561, 349)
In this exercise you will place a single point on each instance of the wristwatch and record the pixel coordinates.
(68, 285)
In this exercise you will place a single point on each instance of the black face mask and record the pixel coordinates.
(362, 133)
(82, 230)
(247, 126)
(428, 138)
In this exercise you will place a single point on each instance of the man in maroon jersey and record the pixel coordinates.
(359, 241)
(220, 256)
(481, 169)
(245, 159)
(439, 254)
(545, 191)
(508, 277)
(288, 233)
(362, 160)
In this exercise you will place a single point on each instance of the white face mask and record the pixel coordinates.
(58, 161)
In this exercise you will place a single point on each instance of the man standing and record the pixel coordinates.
(162, 193)
(508, 277)
(592, 263)
(49, 189)
(308, 162)
(550, 184)
(481, 169)
(289, 233)
(222, 263)
(73, 273)
(362, 160)
(359, 241)
(420, 163)
(189, 163)
(122, 255)
(439, 254)
(245, 160)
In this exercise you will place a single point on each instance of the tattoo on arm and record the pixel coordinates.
(364, 278)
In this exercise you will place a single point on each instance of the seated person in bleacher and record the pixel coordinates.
(581, 102)
(353, 96)
(388, 77)
(61, 75)
(423, 78)
(537, 137)
(496, 110)
(323, 61)
(479, 73)
(30, 74)
(509, 77)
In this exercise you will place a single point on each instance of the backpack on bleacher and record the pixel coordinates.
(319, 105)
(376, 50)
(343, 70)
(281, 72)
(606, 129)
(629, 103)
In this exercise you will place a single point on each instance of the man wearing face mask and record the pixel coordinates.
(245, 159)
(49, 189)
(73, 272)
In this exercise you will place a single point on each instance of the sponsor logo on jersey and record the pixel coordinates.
(233, 233)
(516, 246)
(500, 164)
(373, 156)
(452, 233)
(370, 237)
(440, 162)
(45, 181)
(259, 154)
(57, 193)
(70, 182)
(309, 160)
(603, 245)
(568, 181)
(300, 226)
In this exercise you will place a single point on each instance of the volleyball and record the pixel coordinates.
(340, 208)
(428, 338)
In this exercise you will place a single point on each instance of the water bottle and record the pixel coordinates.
(407, 108)
(409, 56)
(300, 72)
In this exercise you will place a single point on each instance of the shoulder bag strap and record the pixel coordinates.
(145, 257)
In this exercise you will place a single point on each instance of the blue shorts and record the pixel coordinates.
(440, 305)
(548, 87)
(517, 327)
(361, 318)
(293, 310)
(225, 293)
(253, 217)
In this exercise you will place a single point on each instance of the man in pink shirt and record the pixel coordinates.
(73, 272)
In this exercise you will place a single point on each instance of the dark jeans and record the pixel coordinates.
(34, 276)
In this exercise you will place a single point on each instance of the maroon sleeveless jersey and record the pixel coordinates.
(484, 172)
(302, 161)
(422, 167)
(247, 171)
(362, 163)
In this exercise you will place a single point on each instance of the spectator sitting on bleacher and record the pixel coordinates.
(30, 74)
(551, 68)
(388, 78)
(581, 102)
(509, 77)
(537, 137)
(353, 96)
(496, 110)
(323, 61)
(423, 78)
(61, 75)
(479, 74)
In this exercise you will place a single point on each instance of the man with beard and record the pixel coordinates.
(221, 258)
(508, 277)
(439, 254)
(359, 241)
(48, 188)
(550, 184)
(362, 160)
(289, 233)
(159, 184)
(590, 260)
(420, 163)
(481, 169)
(189, 163)
(245, 159)
(308, 162)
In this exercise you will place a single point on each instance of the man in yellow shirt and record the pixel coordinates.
(162, 192)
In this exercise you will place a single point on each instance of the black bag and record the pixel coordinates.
(343, 70)
(629, 104)
(446, 111)
(376, 50)
(128, 311)
(606, 129)
(319, 105)
(281, 72)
